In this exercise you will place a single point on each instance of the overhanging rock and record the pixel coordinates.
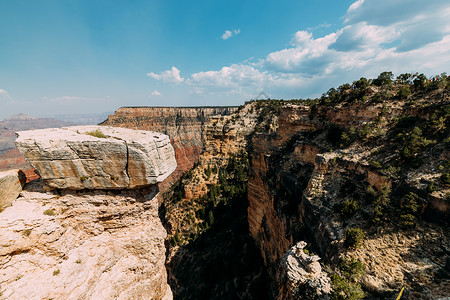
(98, 157)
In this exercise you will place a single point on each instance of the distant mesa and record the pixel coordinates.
(20, 116)
(98, 157)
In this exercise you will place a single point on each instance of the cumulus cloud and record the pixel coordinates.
(375, 36)
(418, 22)
(308, 55)
(168, 76)
(233, 76)
(228, 34)
(156, 93)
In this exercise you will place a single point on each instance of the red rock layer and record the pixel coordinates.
(184, 125)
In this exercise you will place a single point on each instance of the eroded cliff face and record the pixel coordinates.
(184, 125)
(299, 188)
(83, 245)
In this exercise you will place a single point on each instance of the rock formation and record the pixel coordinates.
(319, 169)
(302, 275)
(184, 125)
(98, 157)
(11, 183)
(83, 245)
(94, 237)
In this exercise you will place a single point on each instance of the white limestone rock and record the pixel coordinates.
(87, 244)
(70, 158)
(11, 183)
(301, 275)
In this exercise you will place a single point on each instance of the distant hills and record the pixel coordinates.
(10, 157)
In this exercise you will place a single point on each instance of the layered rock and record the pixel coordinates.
(302, 275)
(11, 183)
(184, 125)
(98, 157)
(298, 187)
(83, 245)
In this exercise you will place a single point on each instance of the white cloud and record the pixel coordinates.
(169, 76)
(235, 75)
(228, 34)
(4, 95)
(376, 36)
(156, 93)
(418, 22)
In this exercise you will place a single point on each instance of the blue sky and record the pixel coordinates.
(77, 56)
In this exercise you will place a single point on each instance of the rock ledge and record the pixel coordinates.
(72, 158)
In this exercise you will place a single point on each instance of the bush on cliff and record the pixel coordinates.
(348, 208)
(354, 238)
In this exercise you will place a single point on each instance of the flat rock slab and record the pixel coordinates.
(97, 157)
(11, 183)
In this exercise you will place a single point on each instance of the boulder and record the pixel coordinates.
(97, 157)
(11, 183)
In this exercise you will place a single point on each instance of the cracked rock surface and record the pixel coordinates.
(77, 157)
(83, 245)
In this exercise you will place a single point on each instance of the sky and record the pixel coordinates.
(85, 56)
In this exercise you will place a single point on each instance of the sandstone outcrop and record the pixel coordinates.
(184, 125)
(83, 245)
(302, 275)
(11, 183)
(98, 157)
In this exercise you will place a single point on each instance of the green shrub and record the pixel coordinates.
(385, 78)
(351, 268)
(348, 208)
(413, 143)
(410, 208)
(375, 164)
(343, 289)
(445, 178)
(49, 212)
(96, 133)
(56, 272)
(354, 238)
(27, 232)
(404, 92)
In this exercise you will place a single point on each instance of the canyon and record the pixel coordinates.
(318, 171)
(184, 126)
(342, 197)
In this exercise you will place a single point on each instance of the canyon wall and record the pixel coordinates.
(299, 187)
(184, 125)
(317, 171)
(309, 172)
